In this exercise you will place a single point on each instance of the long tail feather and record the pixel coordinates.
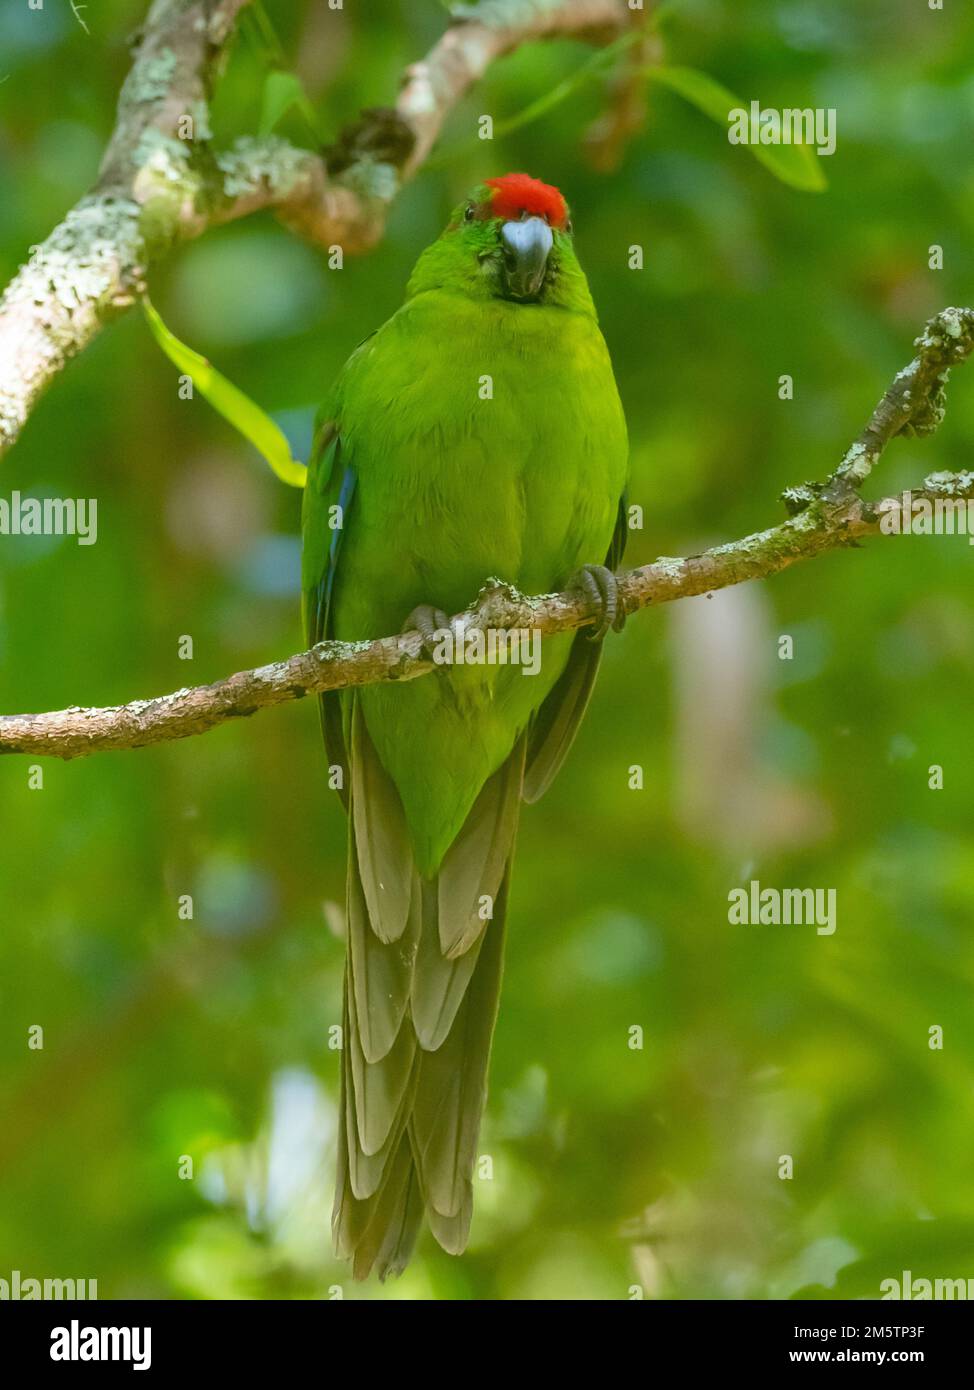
(452, 1084)
(421, 993)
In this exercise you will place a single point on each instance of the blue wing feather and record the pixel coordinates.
(324, 475)
(327, 587)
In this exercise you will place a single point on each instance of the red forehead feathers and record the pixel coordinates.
(514, 194)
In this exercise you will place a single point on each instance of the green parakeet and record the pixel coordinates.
(478, 433)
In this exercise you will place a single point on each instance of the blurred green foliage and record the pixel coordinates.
(209, 1038)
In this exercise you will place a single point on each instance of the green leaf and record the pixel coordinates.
(263, 35)
(796, 165)
(230, 402)
(284, 92)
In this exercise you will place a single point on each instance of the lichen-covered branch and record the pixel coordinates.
(162, 182)
(915, 401)
(824, 517)
(93, 265)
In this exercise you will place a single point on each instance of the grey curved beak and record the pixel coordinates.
(526, 248)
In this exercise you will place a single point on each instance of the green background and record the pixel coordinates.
(612, 1167)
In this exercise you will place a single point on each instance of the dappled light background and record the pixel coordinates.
(209, 1038)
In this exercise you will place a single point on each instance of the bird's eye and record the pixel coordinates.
(468, 213)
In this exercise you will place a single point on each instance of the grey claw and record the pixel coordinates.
(428, 621)
(600, 586)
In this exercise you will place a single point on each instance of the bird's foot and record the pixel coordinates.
(600, 586)
(428, 621)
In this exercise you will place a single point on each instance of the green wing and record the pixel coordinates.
(556, 723)
(330, 483)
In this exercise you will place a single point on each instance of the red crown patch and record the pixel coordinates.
(514, 194)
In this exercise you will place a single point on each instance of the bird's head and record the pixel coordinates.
(510, 239)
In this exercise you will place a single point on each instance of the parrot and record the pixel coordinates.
(421, 486)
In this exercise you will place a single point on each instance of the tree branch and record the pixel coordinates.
(162, 183)
(825, 516)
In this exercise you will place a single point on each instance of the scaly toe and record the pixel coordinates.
(599, 585)
(428, 621)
